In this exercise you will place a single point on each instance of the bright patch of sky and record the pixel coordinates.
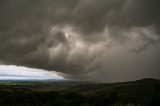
(12, 72)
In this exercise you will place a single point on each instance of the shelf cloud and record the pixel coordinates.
(13, 72)
(84, 39)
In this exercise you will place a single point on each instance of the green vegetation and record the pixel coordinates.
(70, 93)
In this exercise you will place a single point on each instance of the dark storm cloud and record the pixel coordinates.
(77, 37)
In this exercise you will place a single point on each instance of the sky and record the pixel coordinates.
(12, 72)
(101, 40)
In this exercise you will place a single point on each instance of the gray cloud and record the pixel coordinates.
(81, 37)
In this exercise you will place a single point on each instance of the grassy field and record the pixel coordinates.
(145, 92)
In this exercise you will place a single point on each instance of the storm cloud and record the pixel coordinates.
(12, 72)
(84, 39)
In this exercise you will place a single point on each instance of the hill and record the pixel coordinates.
(145, 92)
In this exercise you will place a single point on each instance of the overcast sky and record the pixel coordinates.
(103, 40)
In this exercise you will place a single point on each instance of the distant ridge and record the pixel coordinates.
(147, 80)
(144, 80)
